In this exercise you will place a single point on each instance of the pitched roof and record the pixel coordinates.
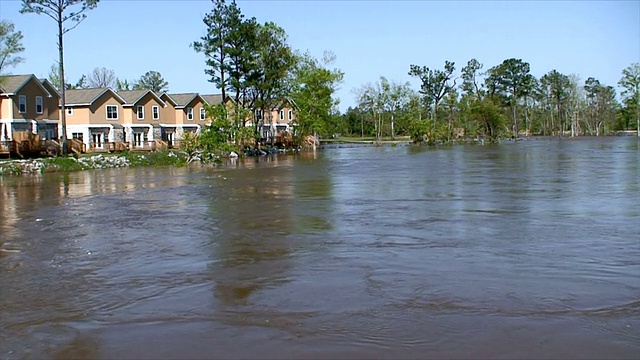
(213, 99)
(87, 96)
(168, 97)
(11, 84)
(183, 100)
(50, 87)
(131, 97)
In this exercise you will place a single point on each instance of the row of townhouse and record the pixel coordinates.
(102, 117)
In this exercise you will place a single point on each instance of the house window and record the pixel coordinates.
(22, 104)
(290, 115)
(112, 112)
(203, 113)
(156, 113)
(39, 104)
(78, 136)
(140, 112)
(69, 111)
(281, 114)
(189, 113)
(258, 114)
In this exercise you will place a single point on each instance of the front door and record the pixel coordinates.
(98, 140)
(138, 139)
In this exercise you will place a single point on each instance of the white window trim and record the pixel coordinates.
(290, 115)
(155, 112)
(107, 112)
(281, 114)
(22, 100)
(189, 113)
(138, 108)
(203, 114)
(69, 111)
(39, 99)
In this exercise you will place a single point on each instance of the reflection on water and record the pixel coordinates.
(526, 250)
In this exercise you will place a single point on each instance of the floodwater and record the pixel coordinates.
(525, 250)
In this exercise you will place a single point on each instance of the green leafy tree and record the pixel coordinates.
(630, 82)
(555, 88)
(488, 115)
(220, 24)
(470, 75)
(241, 45)
(434, 84)
(153, 81)
(313, 87)
(54, 79)
(10, 46)
(511, 80)
(601, 106)
(61, 11)
(215, 138)
(394, 96)
(274, 62)
(123, 85)
(371, 102)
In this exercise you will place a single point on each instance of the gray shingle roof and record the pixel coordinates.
(183, 99)
(213, 99)
(131, 96)
(12, 83)
(84, 96)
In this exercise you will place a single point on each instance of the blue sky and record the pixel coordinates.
(369, 38)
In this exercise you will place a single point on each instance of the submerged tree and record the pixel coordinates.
(435, 84)
(555, 89)
(630, 81)
(511, 80)
(61, 11)
(10, 46)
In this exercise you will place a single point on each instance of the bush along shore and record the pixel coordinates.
(127, 159)
(55, 164)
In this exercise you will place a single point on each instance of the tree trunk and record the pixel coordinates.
(392, 121)
(515, 123)
(638, 119)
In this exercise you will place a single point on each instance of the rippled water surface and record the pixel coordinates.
(527, 250)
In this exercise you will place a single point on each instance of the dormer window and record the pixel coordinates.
(189, 113)
(140, 112)
(203, 113)
(281, 114)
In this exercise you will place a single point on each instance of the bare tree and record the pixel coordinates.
(101, 78)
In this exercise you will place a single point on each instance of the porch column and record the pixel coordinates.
(150, 133)
(111, 137)
(86, 137)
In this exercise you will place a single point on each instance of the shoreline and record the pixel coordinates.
(17, 167)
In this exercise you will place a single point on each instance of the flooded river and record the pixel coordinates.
(526, 250)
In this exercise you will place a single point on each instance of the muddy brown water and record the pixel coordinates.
(527, 250)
